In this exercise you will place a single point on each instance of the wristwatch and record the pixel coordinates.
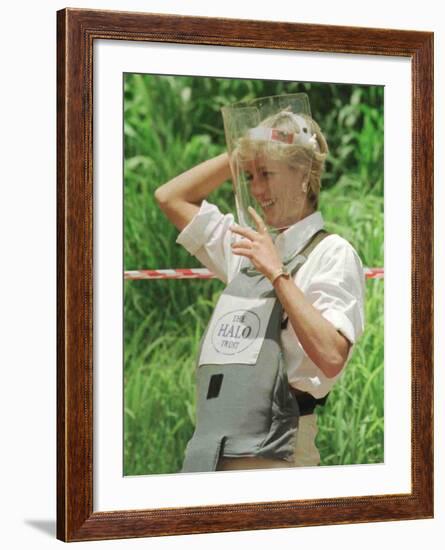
(281, 272)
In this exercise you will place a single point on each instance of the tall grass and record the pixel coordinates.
(171, 124)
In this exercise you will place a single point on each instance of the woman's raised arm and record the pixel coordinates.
(181, 197)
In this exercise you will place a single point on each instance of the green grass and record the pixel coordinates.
(171, 124)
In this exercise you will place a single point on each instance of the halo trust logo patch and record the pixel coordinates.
(235, 331)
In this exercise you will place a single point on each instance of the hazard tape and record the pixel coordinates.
(374, 272)
(203, 273)
(192, 273)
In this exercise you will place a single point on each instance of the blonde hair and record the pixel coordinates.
(294, 155)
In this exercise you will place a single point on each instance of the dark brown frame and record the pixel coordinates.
(76, 32)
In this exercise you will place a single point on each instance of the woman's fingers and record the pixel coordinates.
(243, 247)
(243, 251)
(247, 231)
(244, 232)
(261, 226)
(243, 243)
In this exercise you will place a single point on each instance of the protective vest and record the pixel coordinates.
(244, 407)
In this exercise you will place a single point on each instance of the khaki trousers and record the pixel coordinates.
(306, 452)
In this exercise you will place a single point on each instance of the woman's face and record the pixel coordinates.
(278, 190)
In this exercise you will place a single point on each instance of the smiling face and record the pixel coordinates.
(277, 188)
(277, 154)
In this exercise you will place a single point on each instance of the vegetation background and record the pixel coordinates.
(170, 124)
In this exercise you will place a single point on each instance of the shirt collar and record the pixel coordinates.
(295, 237)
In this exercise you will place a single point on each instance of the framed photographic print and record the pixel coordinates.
(139, 106)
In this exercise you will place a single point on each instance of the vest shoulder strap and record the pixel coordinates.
(309, 247)
(314, 241)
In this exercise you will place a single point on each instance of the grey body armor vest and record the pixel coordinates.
(244, 405)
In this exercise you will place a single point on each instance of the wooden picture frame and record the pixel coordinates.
(76, 32)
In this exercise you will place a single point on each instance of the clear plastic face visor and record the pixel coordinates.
(271, 143)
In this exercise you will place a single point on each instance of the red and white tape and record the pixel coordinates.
(203, 273)
(192, 273)
(374, 272)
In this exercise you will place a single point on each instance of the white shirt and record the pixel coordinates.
(332, 280)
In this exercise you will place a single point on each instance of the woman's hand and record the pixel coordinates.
(257, 246)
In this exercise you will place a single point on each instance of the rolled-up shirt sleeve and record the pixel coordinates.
(337, 289)
(208, 238)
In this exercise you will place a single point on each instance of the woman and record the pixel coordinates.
(283, 329)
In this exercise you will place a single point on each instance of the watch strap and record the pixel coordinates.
(282, 272)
